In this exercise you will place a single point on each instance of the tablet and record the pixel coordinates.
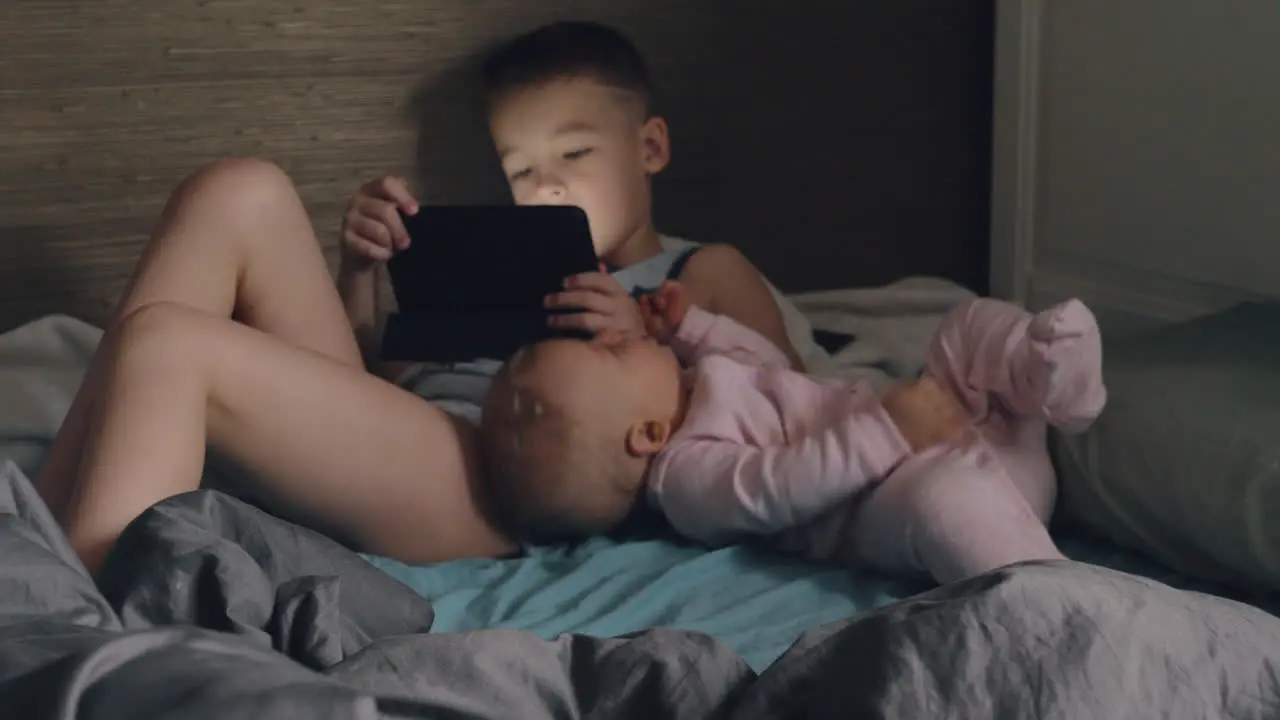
(471, 283)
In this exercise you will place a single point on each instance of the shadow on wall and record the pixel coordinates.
(848, 151)
(455, 160)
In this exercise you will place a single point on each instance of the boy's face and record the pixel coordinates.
(578, 142)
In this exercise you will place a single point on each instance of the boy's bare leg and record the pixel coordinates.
(343, 450)
(232, 239)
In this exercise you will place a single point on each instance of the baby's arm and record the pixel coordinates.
(724, 282)
(713, 490)
(694, 333)
(702, 334)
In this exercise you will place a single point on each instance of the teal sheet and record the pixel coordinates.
(756, 602)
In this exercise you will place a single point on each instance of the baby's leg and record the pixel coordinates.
(1046, 366)
(336, 446)
(949, 515)
(234, 239)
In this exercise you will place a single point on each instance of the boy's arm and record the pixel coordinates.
(714, 490)
(360, 290)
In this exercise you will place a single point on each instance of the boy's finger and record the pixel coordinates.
(369, 230)
(377, 251)
(599, 282)
(399, 236)
(397, 191)
(383, 212)
(580, 300)
(587, 321)
(369, 249)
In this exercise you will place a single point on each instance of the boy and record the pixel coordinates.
(572, 117)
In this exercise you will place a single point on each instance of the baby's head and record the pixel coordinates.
(571, 115)
(568, 431)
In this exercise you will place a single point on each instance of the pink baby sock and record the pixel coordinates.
(1066, 348)
(1047, 365)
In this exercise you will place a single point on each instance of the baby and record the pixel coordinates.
(946, 477)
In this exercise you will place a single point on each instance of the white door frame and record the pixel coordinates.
(1013, 186)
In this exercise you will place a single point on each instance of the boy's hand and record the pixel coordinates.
(925, 412)
(371, 229)
(664, 310)
(602, 303)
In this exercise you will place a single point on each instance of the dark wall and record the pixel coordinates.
(837, 144)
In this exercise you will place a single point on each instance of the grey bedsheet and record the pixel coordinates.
(212, 608)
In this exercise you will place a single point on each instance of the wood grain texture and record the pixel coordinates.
(836, 143)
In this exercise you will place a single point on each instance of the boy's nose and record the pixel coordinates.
(552, 192)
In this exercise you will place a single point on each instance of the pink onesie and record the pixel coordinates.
(818, 466)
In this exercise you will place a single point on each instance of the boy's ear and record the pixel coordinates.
(647, 437)
(656, 143)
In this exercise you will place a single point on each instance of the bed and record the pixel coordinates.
(213, 608)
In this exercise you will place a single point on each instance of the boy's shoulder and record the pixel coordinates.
(648, 275)
(717, 268)
(689, 259)
(712, 256)
(680, 246)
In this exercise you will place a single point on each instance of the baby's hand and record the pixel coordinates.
(925, 412)
(664, 310)
(602, 303)
(371, 229)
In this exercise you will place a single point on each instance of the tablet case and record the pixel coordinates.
(471, 283)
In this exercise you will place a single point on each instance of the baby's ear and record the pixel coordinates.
(647, 437)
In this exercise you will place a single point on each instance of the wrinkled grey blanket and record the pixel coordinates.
(213, 609)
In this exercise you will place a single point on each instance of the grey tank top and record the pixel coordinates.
(460, 388)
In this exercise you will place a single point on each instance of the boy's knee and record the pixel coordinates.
(250, 170)
(238, 184)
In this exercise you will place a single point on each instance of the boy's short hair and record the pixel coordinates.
(569, 49)
(549, 477)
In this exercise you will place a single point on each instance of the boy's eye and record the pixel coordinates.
(521, 174)
(577, 154)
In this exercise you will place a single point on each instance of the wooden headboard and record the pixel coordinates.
(836, 144)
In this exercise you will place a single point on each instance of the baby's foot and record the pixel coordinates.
(1066, 365)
